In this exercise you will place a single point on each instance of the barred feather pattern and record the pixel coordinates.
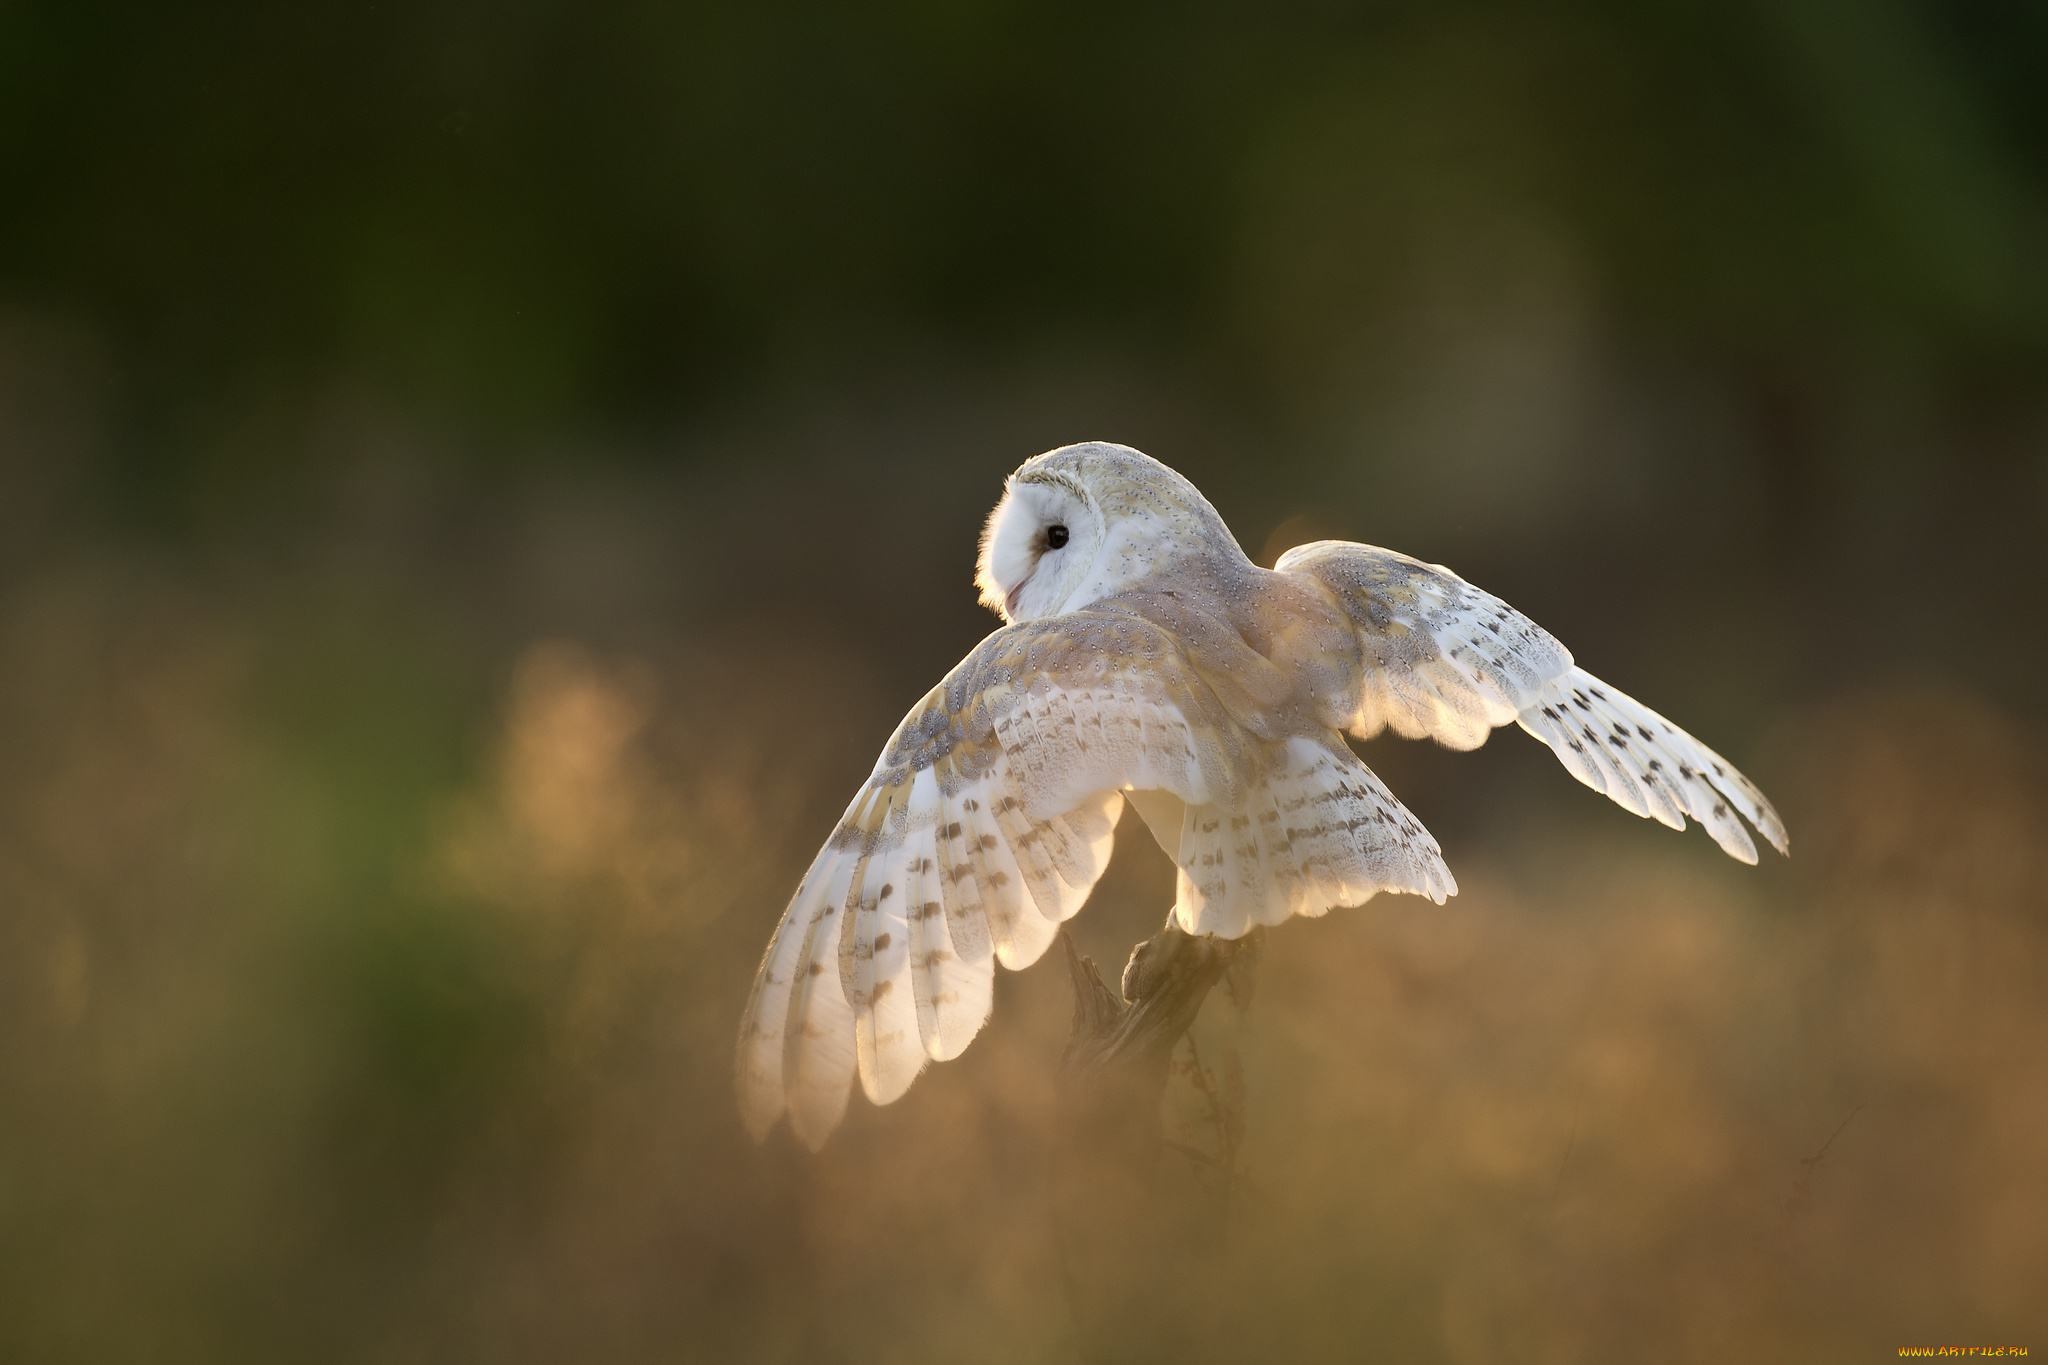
(1616, 745)
(1320, 831)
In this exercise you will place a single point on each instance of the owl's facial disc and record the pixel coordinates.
(1036, 548)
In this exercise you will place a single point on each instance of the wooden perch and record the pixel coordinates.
(1123, 1243)
(1118, 1051)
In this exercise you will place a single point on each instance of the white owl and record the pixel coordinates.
(1146, 658)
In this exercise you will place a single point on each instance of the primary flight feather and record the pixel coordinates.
(1145, 657)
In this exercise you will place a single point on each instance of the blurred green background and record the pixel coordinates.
(479, 483)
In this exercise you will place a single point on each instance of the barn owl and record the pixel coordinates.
(1145, 658)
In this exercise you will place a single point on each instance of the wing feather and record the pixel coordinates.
(874, 958)
(1438, 658)
(817, 1041)
(1320, 831)
(1668, 773)
(929, 948)
(761, 1090)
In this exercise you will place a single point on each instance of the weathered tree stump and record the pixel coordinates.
(1131, 1245)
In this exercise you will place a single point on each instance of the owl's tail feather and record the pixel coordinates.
(1616, 745)
(1320, 830)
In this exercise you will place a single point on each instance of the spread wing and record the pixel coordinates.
(1439, 658)
(988, 820)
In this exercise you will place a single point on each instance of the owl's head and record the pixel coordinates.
(1086, 522)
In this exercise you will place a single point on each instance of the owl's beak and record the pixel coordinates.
(1010, 597)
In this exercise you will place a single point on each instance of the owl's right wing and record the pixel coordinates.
(987, 822)
(1438, 658)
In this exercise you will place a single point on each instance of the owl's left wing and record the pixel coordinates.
(1438, 658)
(986, 823)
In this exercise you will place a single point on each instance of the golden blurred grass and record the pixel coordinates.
(486, 1115)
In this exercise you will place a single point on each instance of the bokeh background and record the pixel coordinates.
(479, 483)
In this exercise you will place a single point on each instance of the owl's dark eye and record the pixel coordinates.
(1055, 536)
